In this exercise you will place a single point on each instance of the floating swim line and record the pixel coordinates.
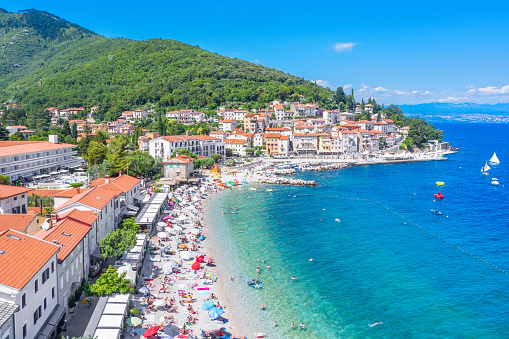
(411, 222)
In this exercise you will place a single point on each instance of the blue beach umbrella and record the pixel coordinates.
(144, 290)
(208, 305)
(215, 312)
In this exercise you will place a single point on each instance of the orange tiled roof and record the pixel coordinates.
(85, 217)
(20, 147)
(123, 183)
(71, 192)
(46, 193)
(272, 135)
(22, 258)
(95, 198)
(9, 191)
(235, 141)
(179, 160)
(18, 222)
(279, 107)
(67, 233)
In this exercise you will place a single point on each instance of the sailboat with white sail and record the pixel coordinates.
(485, 169)
(494, 160)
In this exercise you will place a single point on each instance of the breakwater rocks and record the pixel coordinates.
(284, 181)
(328, 167)
(284, 171)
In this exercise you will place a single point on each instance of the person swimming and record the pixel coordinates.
(377, 323)
(293, 277)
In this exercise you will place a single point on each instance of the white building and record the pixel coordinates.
(234, 114)
(28, 158)
(305, 142)
(305, 110)
(205, 145)
(13, 199)
(332, 117)
(97, 200)
(228, 125)
(279, 111)
(28, 277)
(258, 140)
(186, 116)
(218, 134)
(71, 236)
(349, 142)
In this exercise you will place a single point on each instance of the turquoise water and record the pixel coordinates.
(433, 277)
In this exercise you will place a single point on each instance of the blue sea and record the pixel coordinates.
(389, 259)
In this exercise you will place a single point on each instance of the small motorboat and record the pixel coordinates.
(259, 335)
(440, 183)
(439, 195)
(269, 190)
(337, 219)
(436, 212)
(253, 189)
(494, 181)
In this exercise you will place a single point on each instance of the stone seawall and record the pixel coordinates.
(284, 181)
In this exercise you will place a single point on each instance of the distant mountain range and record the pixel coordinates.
(463, 108)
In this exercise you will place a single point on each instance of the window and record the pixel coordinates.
(36, 285)
(25, 330)
(52, 267)
(45, 275)
(37, 314)
(77, 263)
(61, 281)
(53, 292)
(45, 303)
(23, 300)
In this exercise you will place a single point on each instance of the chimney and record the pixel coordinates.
(78, 190)
(120, 173)
(187, 133)
(53, 139)
(106, 179)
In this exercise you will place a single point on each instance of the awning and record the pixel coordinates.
(133, 208)
(97, 252)
(138, 197)
(167, 182)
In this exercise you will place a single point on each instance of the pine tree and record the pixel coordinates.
(74, 131)
(66, 129)
(4, 134)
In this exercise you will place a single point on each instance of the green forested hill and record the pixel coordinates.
(52, 62)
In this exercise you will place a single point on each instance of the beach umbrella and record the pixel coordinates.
(162, 224)
(208, 305)
(123, 269)
(195, 231)
(144, 290)
(134, 321)
(84, 301)
(159, 302)
(162, 235)
(166, 218)
(177, 228)
(135, 311)
(195, 266)
(208, 260)
(166, 336)
(151, 332)
(169, 266)
(215, 312)
(182, 246)
(185, 255)
(200, 259)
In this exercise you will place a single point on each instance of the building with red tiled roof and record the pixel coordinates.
(186, 116)
(28, 277)
(228, 125)
(13, 199)
(24, 223)
(163, 147)
(180, 167)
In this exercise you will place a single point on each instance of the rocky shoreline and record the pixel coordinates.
(284, 181)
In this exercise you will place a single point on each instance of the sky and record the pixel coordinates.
(400, 52)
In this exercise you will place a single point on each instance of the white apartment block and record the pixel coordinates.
(305, 142)
(205, 145)
(28, 158)
(228, 125)
(33, 287)
(234, 114)
(13, 199)
(187, 116)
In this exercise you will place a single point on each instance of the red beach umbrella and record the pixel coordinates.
(208, 260)
(200, 258)
(151, 332)
(196, 266)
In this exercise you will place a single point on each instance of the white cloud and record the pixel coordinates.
(413, 92)
(344, 46)
(363, 85)
(427, 92)
(347, 86)
(380, 89)
(472, 90)
(494, 90)
(322, 83)
(398, 92)
(257, 61)
(452, 99)
(470, 86)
